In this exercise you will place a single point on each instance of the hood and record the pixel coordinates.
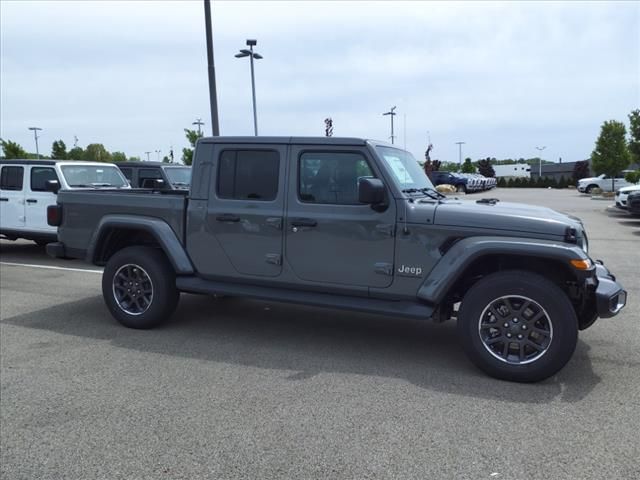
(631, 188)
(505, 216)
(590, 179)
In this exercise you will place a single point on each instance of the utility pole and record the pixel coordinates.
(460, 152)
(158, 155)
(392, 113)
(213, 95)
(540, 149)
(35, 136)
(199, 123)
(148, 153)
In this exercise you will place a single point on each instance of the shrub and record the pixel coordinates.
(633, 177)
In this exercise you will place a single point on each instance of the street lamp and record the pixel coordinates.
(540, 149)
(157, 155)
(392, 114)
(460, 152)
(250, 53)
(35, 136)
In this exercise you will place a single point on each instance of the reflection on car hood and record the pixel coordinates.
(505, 216)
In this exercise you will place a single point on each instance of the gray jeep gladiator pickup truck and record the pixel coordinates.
(351, 224)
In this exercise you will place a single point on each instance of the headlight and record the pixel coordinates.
(584, 242)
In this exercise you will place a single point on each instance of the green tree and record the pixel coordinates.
(95, 152)
(467, 166)
(58, 150)
(633, 177)
(165, 159)
(634, 132)
(611, 154)
(192, 137)
(76, 153)
(134, 159)
(485, 168)
(118, 157)
(12, 150)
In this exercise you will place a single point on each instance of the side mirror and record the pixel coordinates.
(158, 184)
(370, 191)
(52, 186)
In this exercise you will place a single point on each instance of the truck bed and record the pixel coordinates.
(83, 211)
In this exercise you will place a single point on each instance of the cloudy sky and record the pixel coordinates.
(503, 77)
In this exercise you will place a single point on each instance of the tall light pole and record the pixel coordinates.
(213, 94)
(540, 149)
(158, 155)
(460, 152)
(147, 155)
(392, 114)
(35, 136)
(250, 53)
(199, 123)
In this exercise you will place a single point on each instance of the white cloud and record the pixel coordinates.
(501, 76)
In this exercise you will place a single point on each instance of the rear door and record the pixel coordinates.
(244, 212)
(12, 206)
(37, 198)
(330, 237)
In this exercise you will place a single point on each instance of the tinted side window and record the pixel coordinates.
(39, 177)
(127, 172)
(146, 177)
(11, 178)
(248, 174)
(327, 177)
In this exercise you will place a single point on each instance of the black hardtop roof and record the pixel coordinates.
(288, 140)
(149, 164)
(18, 161)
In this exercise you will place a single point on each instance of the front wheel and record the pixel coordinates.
(517, 326)
(590, 188)
(139, 287)
(461, 189)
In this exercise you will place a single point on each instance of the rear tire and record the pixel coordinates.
(517, 326)
(139, 287)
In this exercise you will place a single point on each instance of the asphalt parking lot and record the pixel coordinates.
(232, 388)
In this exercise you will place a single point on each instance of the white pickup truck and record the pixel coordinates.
(28, 187)
(603, 182)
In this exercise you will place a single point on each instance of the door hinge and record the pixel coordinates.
(384, 268)
(274, 258)
(386, 229)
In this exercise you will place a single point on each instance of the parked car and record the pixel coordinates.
(448, 178)
(352, 224)
(623, 193)
(27, 187)
(603, 182)
(157, 175)
(633, 204)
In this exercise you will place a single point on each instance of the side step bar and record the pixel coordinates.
(405, 309)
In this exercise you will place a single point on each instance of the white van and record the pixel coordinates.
(28, 187)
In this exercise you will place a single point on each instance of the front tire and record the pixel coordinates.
(517, 326)
(139, 287)
(590, 188)
(461, 189)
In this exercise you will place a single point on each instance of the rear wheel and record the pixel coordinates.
(518, 326)
(139, 287)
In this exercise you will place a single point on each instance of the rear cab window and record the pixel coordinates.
(11, 178)
(40, 176)
(248, 175)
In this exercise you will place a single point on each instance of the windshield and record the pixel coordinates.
(407, 172)
(179, 175)
(93, 176)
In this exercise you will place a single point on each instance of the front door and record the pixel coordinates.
(37, 198)
(12, 197)
(330, 237)
(244, 211)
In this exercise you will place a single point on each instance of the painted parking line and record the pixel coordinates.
(50, 267)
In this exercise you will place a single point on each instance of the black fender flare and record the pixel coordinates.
(159, 229)
(451, 266)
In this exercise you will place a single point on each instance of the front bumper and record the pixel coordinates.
(610, 296)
